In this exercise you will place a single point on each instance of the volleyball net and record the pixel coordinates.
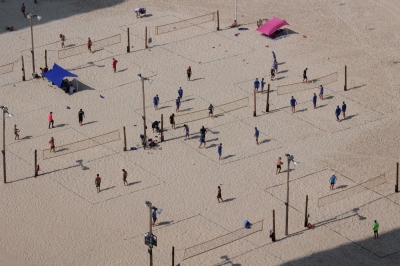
(6, 68)
(96, 45)
(346, 193)
(183, 24)
(82, 145)
(218, 110)
(311, 84)
(222, 240)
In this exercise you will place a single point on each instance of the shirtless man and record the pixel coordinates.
(16, 130)
(234, 24)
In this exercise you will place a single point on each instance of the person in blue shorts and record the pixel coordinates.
(293, 103)
(180, 92)
(178, 104)
(219, 151)
(276, 66)
(314, 100)
(262, 84)
(210, 110)
(321, 92)
(256, 134)
(202, 140)
(344, 107)
(154, 216)
(186, 128)
(256, 84)
(332, 180)
(155, 126)
(337, 113)
(155, 101)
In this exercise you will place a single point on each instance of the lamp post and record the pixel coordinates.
(5, 111)
(30, 16)
(150, 234)
(290, 158)
(236, 10)
(142, 79)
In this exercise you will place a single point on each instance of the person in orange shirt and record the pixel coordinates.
(278, 165)
(52, 146)
(50, 118)
(114, 64)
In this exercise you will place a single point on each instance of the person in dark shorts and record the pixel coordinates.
(81, 115)
(332, 180)
(202, 140)
(114, 64)
(97, 182)
(180, 92)
(219, 196)
(154, 216)
(314, 101)
(337, 113)
(124, 176)
(211, 110)
(186, 128)
(321, 92)
(376, 228)
(178, 104)
(256, 134)
(278, 165)
(52, 145)
(189, 73)
(155, 126)
(293, 103)
(219, 151)
(16, 130)
(50, 119)
(344, 107)
(172, 121)
(89, 45)
(272, 72)
(305, 75)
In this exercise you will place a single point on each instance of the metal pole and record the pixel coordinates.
(162, 127)
(287, 199)
(397, 178)
(345, 78)
(145, 37)
(267, 108)
(45, 58)
(217, 20)
(23, 68)
(173, 256)
(36, 169)
(144, 111)
(33, 52)
(236, 10)
(273, 225)
(4, 147)
(255, 102)
(128, 48)
(124, 139)
(305, 214)
(151, 246)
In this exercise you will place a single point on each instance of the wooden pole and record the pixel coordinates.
(4, 147)
(162, 127)
(173, 256)
(305, 214)
(217, 20)
(32, 51)
(128, 48)
(36, 168)
(255, 102)
(273, 225)
(267, 108)
(23, 68)
(287, 199)
(45, 58)
(145, 37)
(124, 139)
(345, 78)
(397, 178)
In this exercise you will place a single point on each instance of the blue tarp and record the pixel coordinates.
(57, 74)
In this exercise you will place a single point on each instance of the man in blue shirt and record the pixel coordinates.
(202, 140)
(219, 151)
(186, 128)
(155, 126)
(256, 84)
(314, 100)
(337, 113)
(155, 101)
(321, 92)
(256, 134)
(293, 103)
(154, 216)
(180, 92)
(262, 84)
(178, 103)
(344, 106)
(332, 180)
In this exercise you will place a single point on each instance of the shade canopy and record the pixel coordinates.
(272, 25)
(57, 74)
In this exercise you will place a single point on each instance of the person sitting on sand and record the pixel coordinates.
(234, 24)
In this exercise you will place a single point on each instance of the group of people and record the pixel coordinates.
(97, 180)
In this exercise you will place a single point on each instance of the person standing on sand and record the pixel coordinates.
(97, 182)
(114, 64)
(172, 121)
(219, 195)
(50, 119)
(23, 9)
(180, 92)
(344, 107)
(210, 110)
(178, 104)
(81, 115)
(337, 113)
(203, 130)
(124, 176)
(189, 73)
(202, 140)
(256, 134)
(262, 85)
(219, 151)
(314, 100)
(256, 84)
(276, 66)
(89, 45)
(16, 130)
(376, 228)
(186, 128)
(62, 38)
(278, 165)
(305, 79)
(293, 103)
(154, 216)
(332, 180)
(156, 100)
(321, 92)
(52, 145)
(272, 72)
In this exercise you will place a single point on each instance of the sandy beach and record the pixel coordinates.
(58, 218)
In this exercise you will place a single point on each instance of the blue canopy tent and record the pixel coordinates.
(57, 74)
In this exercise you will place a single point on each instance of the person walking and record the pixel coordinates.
(186, 128)
(23, 9)
(16, 130)
(273, 55)
(256, 84)
(219, 195)
(262, 85)
(344, 107)
(278, 165)
(202, 140)
(189, 73)
(50, 119)
(89, 45)
(219, 151)
(180, 92)
(337, 113)
(276, 66)
(376, 228)
(332, 180)
(256, 134)
(314, 100)
(52, 145)
(62, 38)
(156, 100)
(114, 64)
(293, 103)
(305, 79)
(178, 104)
(154, 216)
(172, 121)
(321, 92)
(272, 72)
(97, 182)
(81, 115)
(124, 176)
(211, 110)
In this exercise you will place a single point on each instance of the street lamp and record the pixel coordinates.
(5, 111)
(149, 238)
(30, 16)
(142, 79)
(290, 158)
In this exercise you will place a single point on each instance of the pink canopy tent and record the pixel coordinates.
(272, 25)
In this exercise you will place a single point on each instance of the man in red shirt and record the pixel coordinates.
(97, 181)
(114, 64)
(50, 118)
(52, 145)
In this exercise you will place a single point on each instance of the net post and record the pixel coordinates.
(124, 139)
(305, 213)
(173, 255)
(273, 226)
(36, 168)
(45, 58)
(23, 68)
(345, 78)
(162, 127)
(267, 107)
(145, 38)
(128, 48)
(397, 178)
(217, 19)
(255, 102)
